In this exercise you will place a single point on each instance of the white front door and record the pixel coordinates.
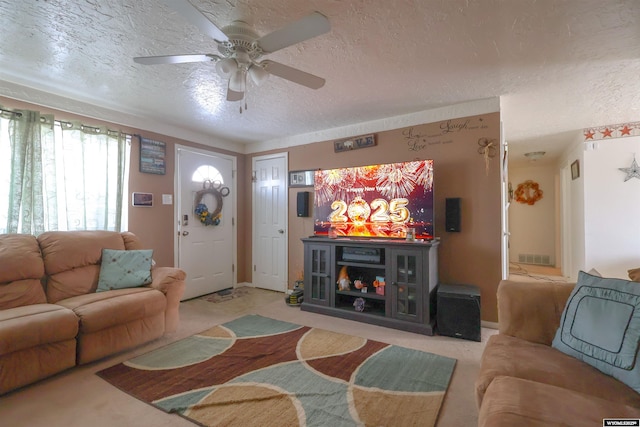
(206, 198)
(270, 203)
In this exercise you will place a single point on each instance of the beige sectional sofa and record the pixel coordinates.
(52, 318)
(524, 381)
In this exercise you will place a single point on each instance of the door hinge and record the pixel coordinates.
(254, 267)
(233, 222)
(233, 268)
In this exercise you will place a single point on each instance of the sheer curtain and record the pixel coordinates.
(90, 170)
(61, 175)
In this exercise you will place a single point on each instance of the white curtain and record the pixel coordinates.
(61, 175)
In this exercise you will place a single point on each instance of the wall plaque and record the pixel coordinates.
(363, 141)
(152, 156)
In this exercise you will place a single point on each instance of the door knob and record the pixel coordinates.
(281, 231)
(185, 233)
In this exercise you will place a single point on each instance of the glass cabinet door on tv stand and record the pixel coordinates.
(318, 273)
(406, 285)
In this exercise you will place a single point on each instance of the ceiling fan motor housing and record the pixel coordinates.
(241, 39)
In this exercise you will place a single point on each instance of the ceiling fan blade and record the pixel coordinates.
(298, 31)
(173, 59)
(194, 16)
(293, 74)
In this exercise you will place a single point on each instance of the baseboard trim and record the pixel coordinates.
(490, 325)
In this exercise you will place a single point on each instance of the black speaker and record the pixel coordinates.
(458, 311)
(303, 203)
(452, 214)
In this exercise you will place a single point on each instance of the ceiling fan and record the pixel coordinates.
(240, 49)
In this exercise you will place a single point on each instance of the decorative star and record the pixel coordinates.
(589, 135)
(626, 130)
(606, 133)
(632, 172)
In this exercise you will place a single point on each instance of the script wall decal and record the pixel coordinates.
(418, 138)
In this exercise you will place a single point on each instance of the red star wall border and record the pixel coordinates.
(611, 131)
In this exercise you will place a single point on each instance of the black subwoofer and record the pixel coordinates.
(458, 311)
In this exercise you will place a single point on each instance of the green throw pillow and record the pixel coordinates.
(124, 269)
(600, 325)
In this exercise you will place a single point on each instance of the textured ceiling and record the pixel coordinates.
(557, 66)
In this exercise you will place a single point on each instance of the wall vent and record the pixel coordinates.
(534, 259)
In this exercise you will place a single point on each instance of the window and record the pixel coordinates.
(61, 175)
(207, 173)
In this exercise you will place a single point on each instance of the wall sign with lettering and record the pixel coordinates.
(363, 141)
(152, 156)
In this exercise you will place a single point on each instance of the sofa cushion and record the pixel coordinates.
(72, 260)
(34, 325)
(21, 271)
(601, 326)
(103, 310)
(513, 401)
(509, 356)
(531, 310)
(124, 269)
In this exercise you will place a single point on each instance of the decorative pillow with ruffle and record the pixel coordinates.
(600, 325)
(124, 269)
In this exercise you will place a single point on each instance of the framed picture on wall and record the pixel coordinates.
(152, 156)
(301, 179)
(144, 200)
(575, 170)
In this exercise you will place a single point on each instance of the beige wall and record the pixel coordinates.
(155, 225)
(471, 256)
(533, 227)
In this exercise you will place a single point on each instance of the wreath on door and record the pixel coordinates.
(202, 211)
(528, 192)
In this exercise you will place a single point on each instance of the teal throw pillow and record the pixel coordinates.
(124, 269)
(600, 325)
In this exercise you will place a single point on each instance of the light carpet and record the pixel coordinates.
(257, 371)
(226, 295)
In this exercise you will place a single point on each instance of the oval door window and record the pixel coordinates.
(207, 173)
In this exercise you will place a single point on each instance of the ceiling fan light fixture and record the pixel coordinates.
(534, 155)
(225, 67)
(238, 80)
(258, 74)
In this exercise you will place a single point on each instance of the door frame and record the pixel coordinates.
(234, 204)
(254, 236)
(566, 261)
(505, 202)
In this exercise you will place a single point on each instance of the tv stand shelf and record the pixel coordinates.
(409, 270)
(359, 294)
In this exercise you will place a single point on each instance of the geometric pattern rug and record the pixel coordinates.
(257, 371)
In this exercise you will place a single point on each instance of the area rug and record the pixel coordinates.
(257, 371)
(227, 294)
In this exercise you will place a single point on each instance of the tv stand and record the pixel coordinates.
(409, 271)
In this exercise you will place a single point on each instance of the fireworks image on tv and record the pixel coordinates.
(375, 201)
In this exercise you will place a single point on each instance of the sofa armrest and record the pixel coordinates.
(165, 278)
(531, 310)
(170, 281)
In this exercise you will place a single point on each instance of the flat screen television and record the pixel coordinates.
(376, 201)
